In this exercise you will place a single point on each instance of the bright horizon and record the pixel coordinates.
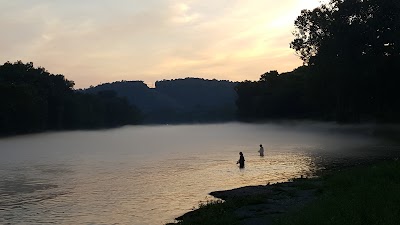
(98, 41)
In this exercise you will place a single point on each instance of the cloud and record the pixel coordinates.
(97, 41)
(183, 14)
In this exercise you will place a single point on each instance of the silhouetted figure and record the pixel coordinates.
(261, 151)
(241, 160)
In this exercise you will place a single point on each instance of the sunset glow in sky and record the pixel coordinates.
(98, 41)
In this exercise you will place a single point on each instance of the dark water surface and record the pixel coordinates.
(149, 175)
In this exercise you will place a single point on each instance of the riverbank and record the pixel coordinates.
(366, 194)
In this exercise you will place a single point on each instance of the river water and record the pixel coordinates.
(148, 175)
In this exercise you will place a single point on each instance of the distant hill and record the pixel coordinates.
(178, 101)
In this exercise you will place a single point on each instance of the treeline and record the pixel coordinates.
(351, 72)
(35, 100)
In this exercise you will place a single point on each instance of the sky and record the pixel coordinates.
(98, 41)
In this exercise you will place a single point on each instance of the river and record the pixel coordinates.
(148, 175)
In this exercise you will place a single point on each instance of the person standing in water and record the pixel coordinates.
(261, 151)
(241, 160)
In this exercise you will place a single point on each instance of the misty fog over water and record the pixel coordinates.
(152, 174)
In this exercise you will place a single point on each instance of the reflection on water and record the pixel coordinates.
(149, 175)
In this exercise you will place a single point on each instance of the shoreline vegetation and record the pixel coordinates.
(362, 194)
(38, 101)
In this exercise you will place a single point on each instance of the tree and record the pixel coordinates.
(353, 46)
(342, 28)
(270, 77)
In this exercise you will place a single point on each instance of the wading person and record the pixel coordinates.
(261, 151)
(241, 160)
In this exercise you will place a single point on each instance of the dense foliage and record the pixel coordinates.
(351, 55)
(274, 96)
(36, 100)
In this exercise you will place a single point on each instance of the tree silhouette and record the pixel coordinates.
(36, 100)
(350, 49)
(354, 46)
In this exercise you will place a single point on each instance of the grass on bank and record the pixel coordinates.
(365, 195)
(218, 212)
